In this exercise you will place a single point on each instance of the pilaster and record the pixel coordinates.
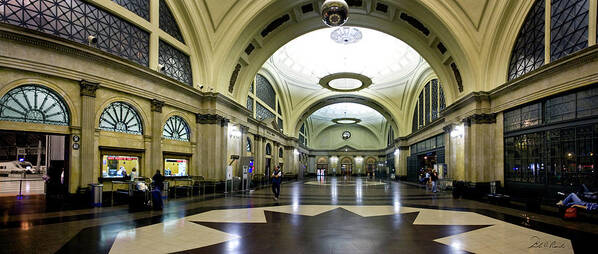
(156, 137)
(212, 133)
(87, 147)
(480, 147)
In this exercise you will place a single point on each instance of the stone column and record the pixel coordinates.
(402, 163)
(258, 154)
(88, 123)
(156, 135)
(480, 147)
(290, 160)
(212, 131)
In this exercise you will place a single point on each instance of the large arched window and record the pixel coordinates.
(176, 128)
(263, 101)
(268, 149)
(569, 33)
(34, 104)
(429, 104)
(248, 145)
(121, 117)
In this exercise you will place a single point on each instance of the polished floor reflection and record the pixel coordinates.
(330, 215)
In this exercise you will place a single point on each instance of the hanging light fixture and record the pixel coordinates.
(335, 12)
(346, 35)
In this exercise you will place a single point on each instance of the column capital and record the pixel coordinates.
(403, 148)
(480, 119)
(157, 105)
(88, 88)
(211, 119)
(447, 128)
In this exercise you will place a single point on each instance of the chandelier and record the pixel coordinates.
(346, 35)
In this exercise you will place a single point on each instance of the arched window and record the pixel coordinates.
(430, 103)
(176, 128)
(528, 52)
(248, 145)
(268, 149)
(280, 152)
(569, 33)
(34, 104)
(263, 101)
(121, 117)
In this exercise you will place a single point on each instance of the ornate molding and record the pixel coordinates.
(211, 119)
(403, 148)
(88, 88)
(448, 128)
(157, 105)
(480, 119)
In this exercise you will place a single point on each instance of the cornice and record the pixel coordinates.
(584, 56)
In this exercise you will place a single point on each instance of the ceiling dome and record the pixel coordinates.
(349, 110)
(377, 55)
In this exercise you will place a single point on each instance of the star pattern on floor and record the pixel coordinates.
(337, 230)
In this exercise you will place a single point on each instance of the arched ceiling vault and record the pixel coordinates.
(308, 109)
(471, 30)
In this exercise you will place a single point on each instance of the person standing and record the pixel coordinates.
(434, 178)
(276, 180)
(158, 180)
(134, 174)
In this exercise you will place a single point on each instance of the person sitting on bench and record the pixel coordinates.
(574, 201)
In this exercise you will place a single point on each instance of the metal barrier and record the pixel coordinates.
(20, 195)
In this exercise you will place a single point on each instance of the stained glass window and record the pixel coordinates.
(75, 20)
(265, 92)
(427, 103)
(414, 123)
(421, 110)
(176, 63)
(528, 52)
(568, 27)
(248, 145)
(139, 7)
(279, 124)
(34, 104)
(442, 100)
(168, 23)
(262, 112)
(250, 103)
(434, 99)
(121, 117)
(560, 108)
(268, 149)
(176, 128)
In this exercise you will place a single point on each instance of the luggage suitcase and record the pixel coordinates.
(157, 200)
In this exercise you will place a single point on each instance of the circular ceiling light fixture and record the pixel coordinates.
(345, 82)
(346, 35)
(346, 120)
(335, 12)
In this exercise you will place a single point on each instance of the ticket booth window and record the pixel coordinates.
(175, 167)
(113, 166)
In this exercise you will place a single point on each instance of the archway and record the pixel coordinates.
(346, 166)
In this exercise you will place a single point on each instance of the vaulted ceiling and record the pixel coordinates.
(473, 36)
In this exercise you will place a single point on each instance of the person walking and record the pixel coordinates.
(276, 180)
(134, 174)
(434, 178)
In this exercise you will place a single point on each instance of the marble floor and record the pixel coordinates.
(331, 215)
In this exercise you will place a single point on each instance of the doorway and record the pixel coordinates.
(33, 163)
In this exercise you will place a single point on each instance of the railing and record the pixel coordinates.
(11, 188)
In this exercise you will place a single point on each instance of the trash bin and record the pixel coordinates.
(165, 190)
(96, 194)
